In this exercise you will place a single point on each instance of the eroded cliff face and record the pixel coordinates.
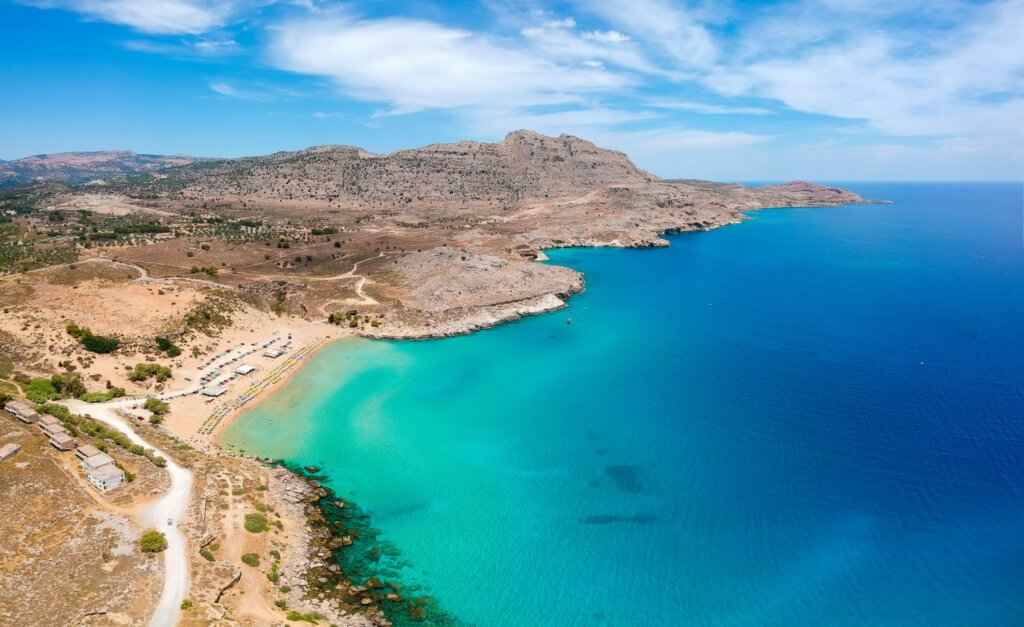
(525, 166)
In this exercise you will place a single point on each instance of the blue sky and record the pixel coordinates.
(740, 90)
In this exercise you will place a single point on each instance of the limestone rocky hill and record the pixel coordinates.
(525, 166)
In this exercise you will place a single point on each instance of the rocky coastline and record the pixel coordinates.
(339, 567)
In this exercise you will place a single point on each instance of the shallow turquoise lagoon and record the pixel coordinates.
(812, 418)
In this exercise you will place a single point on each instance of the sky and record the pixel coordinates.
(837, 90)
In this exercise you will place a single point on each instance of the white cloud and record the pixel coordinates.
(934, 80)
(606, 37)
(579, 121)
(662, 24)
(158, 17)
(679, 140)
(705, 108)
(189, 48)
(255, 92)
(225, 89)
(559, 41)
(413, 65)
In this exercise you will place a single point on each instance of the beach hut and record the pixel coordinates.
(86, 450)
(97, 461)
(22, 411)
(62, 441)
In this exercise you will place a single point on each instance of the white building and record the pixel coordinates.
(100, 469)
(273, 353)
(245, 369)
(213, 391)
(96, 462)
(106, 477)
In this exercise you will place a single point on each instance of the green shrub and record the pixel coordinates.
(153, 541)
(281, 603)
(255, 523)
(158, 408)
(186, 604)
(207, 555)
(308, 617)
(99, 343)
(40, 390)
(148, 369)
(103, 397)
(251, 559)
(68, 385)
(168, 347)
(92, 343)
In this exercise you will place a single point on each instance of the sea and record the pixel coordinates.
(814, 417)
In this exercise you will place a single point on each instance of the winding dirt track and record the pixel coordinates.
(163, 514)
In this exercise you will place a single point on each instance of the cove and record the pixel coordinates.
(813, 417)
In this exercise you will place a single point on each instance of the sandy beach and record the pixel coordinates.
(199, 419)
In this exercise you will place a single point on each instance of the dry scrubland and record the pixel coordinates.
(67, 553)
(214, 255)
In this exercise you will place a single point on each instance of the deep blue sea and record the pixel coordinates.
(815, 417)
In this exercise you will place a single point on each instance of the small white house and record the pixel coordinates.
(245, 369)
(273, 353)
(213, 391)
(106, 477)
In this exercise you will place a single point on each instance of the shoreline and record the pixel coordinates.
(484, 318)
(346, 572)
(282, 377)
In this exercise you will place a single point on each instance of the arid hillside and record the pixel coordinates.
(434, 240)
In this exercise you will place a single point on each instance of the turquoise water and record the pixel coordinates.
(812, 418)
